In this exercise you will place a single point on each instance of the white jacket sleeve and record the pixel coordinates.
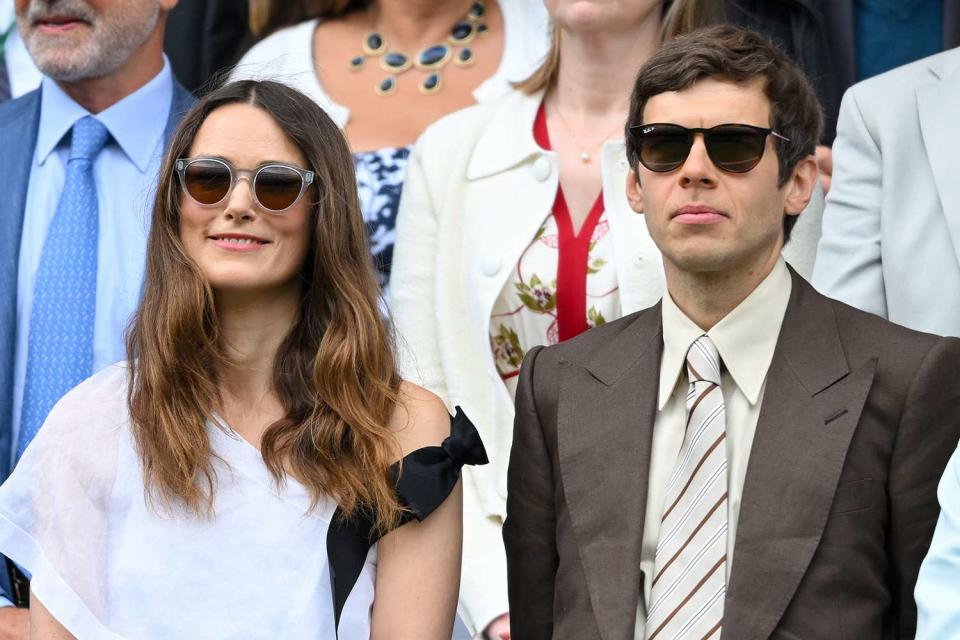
(848, 265)
(483, 584)
(413, 282)
(483, 590)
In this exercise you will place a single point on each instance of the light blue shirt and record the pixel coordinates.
(126, 173)
(938, 587)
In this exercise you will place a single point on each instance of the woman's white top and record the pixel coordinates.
(106, 564)
(287, 56)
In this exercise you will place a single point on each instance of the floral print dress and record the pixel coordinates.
(563, 284)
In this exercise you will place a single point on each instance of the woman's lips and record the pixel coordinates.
(238, 244)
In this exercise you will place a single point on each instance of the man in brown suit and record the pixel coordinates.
(748, 459)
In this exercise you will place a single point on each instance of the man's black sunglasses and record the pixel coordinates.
(736, 148)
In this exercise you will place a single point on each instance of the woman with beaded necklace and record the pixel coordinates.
(386, 69)
(514, 231)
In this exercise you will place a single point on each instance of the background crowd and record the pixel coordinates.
(487, 138)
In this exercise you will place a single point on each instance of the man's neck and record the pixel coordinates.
(100, 93)
(708, 297)
(599, 68)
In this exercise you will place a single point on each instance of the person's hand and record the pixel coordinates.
(825, 164)
(14, 623)
(499, 629)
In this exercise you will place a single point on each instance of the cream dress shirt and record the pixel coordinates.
(745, 339)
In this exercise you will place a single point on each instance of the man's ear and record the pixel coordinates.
(800, 186)
(634, 191)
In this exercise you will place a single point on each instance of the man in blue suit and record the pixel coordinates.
(79, 159)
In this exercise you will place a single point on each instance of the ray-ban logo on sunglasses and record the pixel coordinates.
(648, 129)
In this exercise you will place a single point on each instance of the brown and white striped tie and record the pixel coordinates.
(689, 582)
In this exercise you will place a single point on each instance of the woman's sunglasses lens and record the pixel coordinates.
(735, 149)
(277, 187)
(206, 181)
(664, 149)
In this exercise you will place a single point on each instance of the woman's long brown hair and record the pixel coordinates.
(334, 373)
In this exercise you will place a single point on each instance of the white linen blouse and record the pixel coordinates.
(108, 564)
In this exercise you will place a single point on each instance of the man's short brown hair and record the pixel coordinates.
(740, 55)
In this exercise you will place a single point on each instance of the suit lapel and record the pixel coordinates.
(605, 424)
(811, 407)
(19, 121)
(936, 103)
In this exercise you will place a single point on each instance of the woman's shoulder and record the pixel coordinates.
(280, 56)
(103, 392)
(463, 129)
(527, 25)
(293, 39)
(420, 419)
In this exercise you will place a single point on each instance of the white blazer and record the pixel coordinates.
(891, 229)
(478, 187)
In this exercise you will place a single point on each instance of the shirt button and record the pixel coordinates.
(541, 169)
(490, 265)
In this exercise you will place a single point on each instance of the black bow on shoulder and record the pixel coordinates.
(424, 479)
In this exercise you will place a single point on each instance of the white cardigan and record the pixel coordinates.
(478, 187)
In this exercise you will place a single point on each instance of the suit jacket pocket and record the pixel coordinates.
(853, 495)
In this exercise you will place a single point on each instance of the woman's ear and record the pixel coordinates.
(634, 191)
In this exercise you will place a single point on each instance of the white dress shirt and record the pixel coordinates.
(125, 173)
(746, 339)
(938, 604)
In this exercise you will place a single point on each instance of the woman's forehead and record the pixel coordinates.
(245, 135)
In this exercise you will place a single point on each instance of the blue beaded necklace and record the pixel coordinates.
(430, 60)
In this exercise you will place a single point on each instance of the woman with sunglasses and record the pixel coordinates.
(515, 231)
(257, 469)
(386, 69)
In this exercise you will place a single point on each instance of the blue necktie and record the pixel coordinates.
(60, 343)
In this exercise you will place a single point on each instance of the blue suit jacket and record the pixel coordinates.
(19, 122)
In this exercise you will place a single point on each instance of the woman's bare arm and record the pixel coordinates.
(418, 564)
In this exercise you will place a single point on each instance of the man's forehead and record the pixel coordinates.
(711, 101)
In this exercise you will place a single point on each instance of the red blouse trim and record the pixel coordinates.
(573, 252)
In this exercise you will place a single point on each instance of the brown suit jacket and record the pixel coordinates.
(859, 418)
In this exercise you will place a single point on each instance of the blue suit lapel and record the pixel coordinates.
(19, 121)
(182, 101)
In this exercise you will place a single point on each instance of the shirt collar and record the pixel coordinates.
(745, 338)
(136, 123)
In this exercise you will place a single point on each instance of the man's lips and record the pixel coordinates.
(58, 24)
(698, 214)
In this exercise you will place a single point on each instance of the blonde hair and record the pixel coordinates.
(680, 16)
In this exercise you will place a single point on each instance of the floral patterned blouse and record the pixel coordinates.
(563, 284)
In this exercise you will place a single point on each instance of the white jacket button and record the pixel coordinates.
(541, 169)
(490, 265)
